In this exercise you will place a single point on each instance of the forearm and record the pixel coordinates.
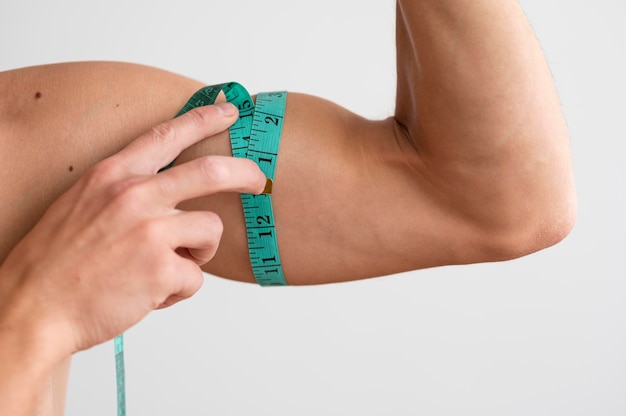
(471, 64)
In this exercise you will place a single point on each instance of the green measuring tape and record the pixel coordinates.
(120, 375)
(255, 136)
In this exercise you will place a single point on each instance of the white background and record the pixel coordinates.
(543, 335)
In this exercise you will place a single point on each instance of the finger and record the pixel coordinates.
(209, 175)
(164, 142)
(195, 235)
(188, 282)
(186, 233)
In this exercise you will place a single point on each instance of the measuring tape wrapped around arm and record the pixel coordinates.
(255, 136)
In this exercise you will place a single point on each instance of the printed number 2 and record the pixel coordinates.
(263, 219)
(273, 120)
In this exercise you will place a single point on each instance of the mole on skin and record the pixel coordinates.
(37, 95)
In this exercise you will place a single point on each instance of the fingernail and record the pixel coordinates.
(226, 109)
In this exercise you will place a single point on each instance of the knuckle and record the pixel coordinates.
(150, 232)
(214, 170)
(163, 266)
(163, 132)
(103, 173)
(129, 195)
(214, 224)
(165, 269)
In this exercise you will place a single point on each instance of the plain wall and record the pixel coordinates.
(542, 335)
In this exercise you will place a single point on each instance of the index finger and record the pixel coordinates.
(164, 142)
(208, 175)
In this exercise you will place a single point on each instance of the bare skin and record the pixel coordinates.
(473, 167)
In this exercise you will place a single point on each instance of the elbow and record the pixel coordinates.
(556, 217)
(543, 228)
(531, 221)
(552, 228)
(563, 221)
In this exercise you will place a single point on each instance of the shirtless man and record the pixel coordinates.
(473, 167)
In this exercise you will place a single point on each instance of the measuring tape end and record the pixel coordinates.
(268, 186)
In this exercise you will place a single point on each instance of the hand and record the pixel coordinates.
(114, 247)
